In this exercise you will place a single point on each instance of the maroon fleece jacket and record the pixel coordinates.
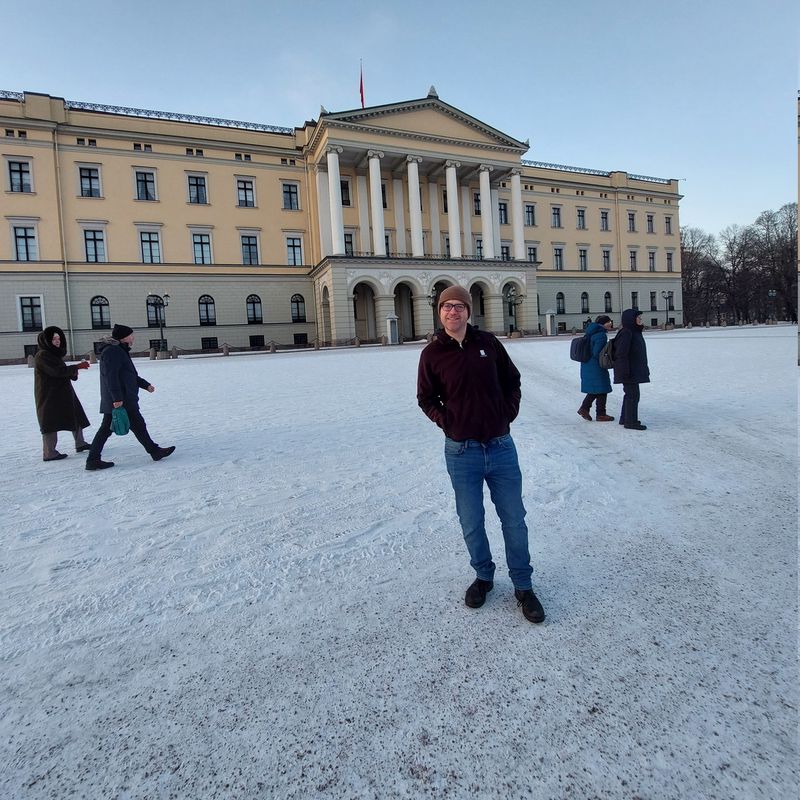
(470, 390)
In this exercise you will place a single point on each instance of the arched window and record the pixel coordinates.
(608, 302)
(155, 311)
(208, 313)
(584, 303)
(560, 303)
(101, 313)
(298, 308)
(254, 314)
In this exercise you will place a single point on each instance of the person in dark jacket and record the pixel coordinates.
(57, 405)
(630, 367)
(594, 379)
(470, 388)
(119, 388)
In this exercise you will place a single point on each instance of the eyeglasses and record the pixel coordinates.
(454, 307)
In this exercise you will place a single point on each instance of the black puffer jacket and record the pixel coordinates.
(630, 351)
(57, 405)
(118, 377)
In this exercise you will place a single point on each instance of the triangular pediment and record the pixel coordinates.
(429, 117)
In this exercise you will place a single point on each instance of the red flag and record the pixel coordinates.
(361, 86)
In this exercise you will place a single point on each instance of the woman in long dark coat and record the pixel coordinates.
(630, 366)
(594, 379)
(57, 405)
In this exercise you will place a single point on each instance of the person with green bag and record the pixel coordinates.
(119, 399)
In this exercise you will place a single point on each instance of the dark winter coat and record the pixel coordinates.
(118, 377)
(471, 390)
(57, 405)
(594, 379)
(630, 351)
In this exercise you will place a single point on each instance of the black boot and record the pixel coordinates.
(476, 593)
(531, 607)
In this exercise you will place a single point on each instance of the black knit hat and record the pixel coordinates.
(602, 319)
(119, 332)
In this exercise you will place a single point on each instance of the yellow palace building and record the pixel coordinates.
(199, 232)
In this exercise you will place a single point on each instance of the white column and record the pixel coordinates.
(324, 212)
(466, 211)
(376, 204)
(335, 195)
(453, 222)
(436, 232)
(496, 220)
(414, 207)
(363, 213)
(399, 215)
(516, 216)
(486, 212)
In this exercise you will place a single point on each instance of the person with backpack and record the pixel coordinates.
(595, 382)
(630, 367)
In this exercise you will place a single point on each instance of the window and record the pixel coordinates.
(159, 345)
(101, 313)
(505, 252)
(444, 200)
(201, 243)
(145, 185)
(671, 301)
(254, 313)
(503, 209)
(607, 301)
(298, 308)
(634, 299)
(530, 214)
(651, 261)
(19, 176)
(555, 221)
(447, 246)
(383, 196)
(387, 241)
(207, 310)
(209, 343)
(584, 303)
(291, 197)
(197, 190)
(606, 261)
(257, 341)
(348, 244)
(294, 251)
(249, 249)
(345, 187)
(25, 245)
(560, 303)
(476, 203)
(94, 245)
(31, 313)
(650, 226)
(301, 339)
(246, 196)
(558, 258)
(150, 246)
(653, 301)
(90, 181)
(634, 266)
(668, 225)
(669, 262)
(583, 259)
(533, 254)
(631, 222)
(155, 311)
(604, 221)
(479, 248)
(581, 219)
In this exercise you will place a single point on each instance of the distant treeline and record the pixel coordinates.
(746, 274)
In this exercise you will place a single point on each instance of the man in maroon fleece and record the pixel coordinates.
(470, 388)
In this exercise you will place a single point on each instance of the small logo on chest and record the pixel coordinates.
(483, 353)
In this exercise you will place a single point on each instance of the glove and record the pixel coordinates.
(83, 365)
(120, 423)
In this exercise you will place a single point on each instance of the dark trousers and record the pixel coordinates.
(138, 429)
(600, 402)
(629, 413)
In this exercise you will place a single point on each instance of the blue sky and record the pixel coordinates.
(701, 91)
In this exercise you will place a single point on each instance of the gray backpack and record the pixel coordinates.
(606, 356)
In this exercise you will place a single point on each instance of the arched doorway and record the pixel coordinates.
(404, 310)
(438, 288)
(364, 312)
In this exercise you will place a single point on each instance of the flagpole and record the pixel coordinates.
(361, 80)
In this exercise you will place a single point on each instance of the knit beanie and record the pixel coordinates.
(602, 319)
(457, 294)
(120, 332)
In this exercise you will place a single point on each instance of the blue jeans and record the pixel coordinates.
(469, 464)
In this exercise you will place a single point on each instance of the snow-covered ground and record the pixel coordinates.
(276, 611)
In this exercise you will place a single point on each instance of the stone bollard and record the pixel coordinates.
(174, 352)
(384, 339)
(152, 354)
(92, 358)
(163, 354)
(272, 347)
(226, 350)
(429, 337)
(357, 342)
(30, 361)
(316, 344)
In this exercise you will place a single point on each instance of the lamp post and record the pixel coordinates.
(513, 300)
(160, 302)
(771, 294)
(667, 297)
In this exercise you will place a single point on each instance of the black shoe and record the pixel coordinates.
(476, 593)
(93, 465)
(531, 607)
(55, 457)
(82, 448)
(162, 452)
(635, 426)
